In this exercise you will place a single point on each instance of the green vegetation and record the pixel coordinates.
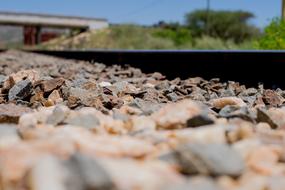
(274, 36)
(210, 43)
(138, 37)
(201, 30)
(115, 37)
(178, 34)
(226, 25)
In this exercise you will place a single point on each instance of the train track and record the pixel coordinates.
(91, 130)
(247, 67)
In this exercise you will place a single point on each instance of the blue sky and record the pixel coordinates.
(142, 11)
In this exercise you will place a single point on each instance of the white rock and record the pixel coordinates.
(175, 115)
(219, 103)
(104, 84)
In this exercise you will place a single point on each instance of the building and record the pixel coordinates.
(33, 25)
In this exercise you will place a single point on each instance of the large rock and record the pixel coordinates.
(220, 103)
(147, 107)
(10, 113)
(84, 118)
(275, 117)
(272, 98)
(55, 97)
(8, 135)
(31, 120)
(58, 115)
(48, 173)
(210, 159)
(197, 183)
(21, 90)
(264, 160)
(237, 112)
(173, 116)
(79, 96)
(199, 120)
(50, 85)
(87, 173)
(131, 174)
(205, 134)
(14, 78)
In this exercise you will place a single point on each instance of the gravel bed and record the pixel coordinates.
(72, 125)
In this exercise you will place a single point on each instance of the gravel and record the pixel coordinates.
(69, 124)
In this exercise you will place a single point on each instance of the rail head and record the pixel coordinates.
(249, 67)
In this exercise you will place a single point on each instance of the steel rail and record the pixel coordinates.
(247, 67)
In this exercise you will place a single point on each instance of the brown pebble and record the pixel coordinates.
(222, 102)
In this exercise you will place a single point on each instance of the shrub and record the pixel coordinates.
(273, 37)
(210, 43)
(233, 25)
(137, 37)
(179, 36)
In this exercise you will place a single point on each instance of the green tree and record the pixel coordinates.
(227, 25)
(174, 31)
(273, 37)
(179, 36)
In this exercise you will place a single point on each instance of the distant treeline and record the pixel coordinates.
(225, 25)
(201, 29)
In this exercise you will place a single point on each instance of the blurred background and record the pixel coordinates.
(148, 24)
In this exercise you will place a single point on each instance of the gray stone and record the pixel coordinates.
(8, 130)
(250, 100)
(47, 173)
(86, 97)
(262, 116)
(250, 91)
(58, 115)
(120, 116)
(276, 183)
(87, 174)
(164, 85)
(210, 159)
(236, 111)
(78, 82)
(87, 120)
(197, 183)
(199, 120)
(8, 134)
(121, 86)
(2, 79)
(227, 93)
(172, 96)
(147, 107)
(21, 90)
(169, 157)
